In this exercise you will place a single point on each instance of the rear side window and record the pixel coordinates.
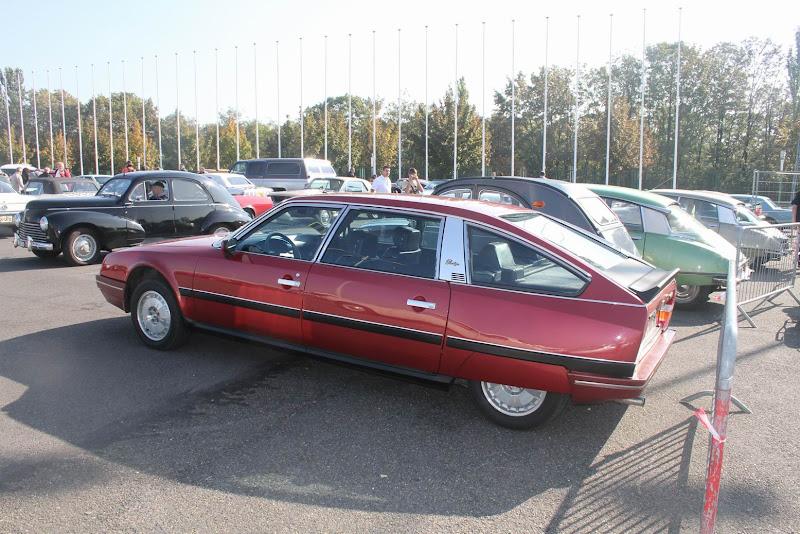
(257, 168)
(701, 210)
(283, 168)
(186, 190)
(457, 193)
(490, 195)
(630, 214)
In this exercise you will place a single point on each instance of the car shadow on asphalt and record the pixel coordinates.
(244, 419)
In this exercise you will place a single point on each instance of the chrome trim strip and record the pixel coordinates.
(109, 285)
(604, 385)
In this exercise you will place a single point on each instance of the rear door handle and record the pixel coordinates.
(421, 304)
(289, 283)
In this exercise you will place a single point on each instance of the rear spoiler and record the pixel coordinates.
(651, 284)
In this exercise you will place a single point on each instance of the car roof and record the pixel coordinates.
(49, 178)
(633, 195)
(709, 196)
(567, 188)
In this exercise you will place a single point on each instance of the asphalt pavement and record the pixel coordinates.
(99, 433)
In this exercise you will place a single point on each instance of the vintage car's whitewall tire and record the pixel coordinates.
(156, 315)
(690, 297)
(81, 247)
(514, 407)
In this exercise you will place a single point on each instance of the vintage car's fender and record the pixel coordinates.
(113, 231)
(228, 217)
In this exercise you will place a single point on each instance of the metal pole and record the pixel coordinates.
(544, 114)
(278, 78)
(196, 119)
(22, 121)
(677, 106)
(374, 119)
(144, 123)
(455, 114)
(325, 86)
(216, 99)
(6, 100)
(483, 98)
(236, 62)
(178, 111)
(125, 112)
(302, 123)
(513, 94)
(80, 132)
(50, 113)
(641, 113)
(255, 84)
(608, 106)
(426, 101)
(349, 104)
(158, 114)
(94, 118)
(110, 121)
(36, 118)
(577, 100)
(399, 112)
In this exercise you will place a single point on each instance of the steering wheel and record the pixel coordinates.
(283, 238)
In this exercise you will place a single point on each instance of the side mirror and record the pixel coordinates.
(228, 246)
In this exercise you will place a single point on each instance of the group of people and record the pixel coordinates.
(383, 184)
(21, 176)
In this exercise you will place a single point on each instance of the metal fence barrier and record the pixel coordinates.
(772, 252)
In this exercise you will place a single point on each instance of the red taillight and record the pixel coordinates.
(665, 311)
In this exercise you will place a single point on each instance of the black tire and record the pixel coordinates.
(546, 407)
(46, 254)
(157, 329)
(251, 212)
(691, 297)
(81, 247)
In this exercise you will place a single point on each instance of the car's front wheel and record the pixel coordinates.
(81, 247)
(689, 297)
(515, 407)
(156, 315)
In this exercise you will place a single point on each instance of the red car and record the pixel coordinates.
(253, 203)
(529, 310)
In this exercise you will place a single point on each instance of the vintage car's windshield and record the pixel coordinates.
(682, 223)
(114, 188)
(593, 252)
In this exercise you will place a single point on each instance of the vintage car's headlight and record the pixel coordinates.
(17, 219)
(44, 224)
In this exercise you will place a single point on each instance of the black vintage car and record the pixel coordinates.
(128, 209)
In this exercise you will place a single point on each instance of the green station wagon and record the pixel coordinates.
(670, 238)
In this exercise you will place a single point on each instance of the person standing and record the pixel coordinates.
(128, 167)
(352, 172)
(26, 176)
(795, 204)
(382, 183)
(61, 172)
(16, 180)
(413, 185)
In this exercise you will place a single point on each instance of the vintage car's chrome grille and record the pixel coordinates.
(33, 231)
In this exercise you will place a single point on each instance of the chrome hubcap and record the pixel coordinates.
(84, 247)
(512, 400)
(221, 232)
(153, 315)
(687, 293)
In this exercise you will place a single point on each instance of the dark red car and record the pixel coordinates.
(529, 310)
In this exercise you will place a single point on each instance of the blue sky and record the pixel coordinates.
(99, 32)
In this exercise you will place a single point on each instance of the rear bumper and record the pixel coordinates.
(112, 290)
(592, 388)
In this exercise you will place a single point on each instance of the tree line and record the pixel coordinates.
(739, 108)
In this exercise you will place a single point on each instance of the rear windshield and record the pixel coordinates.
(598, 210)
(5, 188)
(327, 170)
(590, 250)
(238, 180)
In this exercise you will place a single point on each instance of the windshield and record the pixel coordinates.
(5, 188)
(682, 223)
(744, 215)
(114, 188)
(325, 184)
(768, 203)
(591, 251)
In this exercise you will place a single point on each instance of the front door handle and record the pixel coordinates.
(288, 283)
(636, 237)
(421, 304)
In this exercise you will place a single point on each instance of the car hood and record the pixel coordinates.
(70, 202)
(13, 201)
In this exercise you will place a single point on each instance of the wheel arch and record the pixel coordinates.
(137, 276)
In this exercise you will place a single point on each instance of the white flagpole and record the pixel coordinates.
(80, 132)
(255, 84)
(455, 115)
(325, 88)
(178, 111)
(513, 95)
(349, 104)
(216, 99)
(302, 123)
(4, 96)
(196, 120)
(399, 112)
(125, 111)
(426, 102)
(577, 77)
(278, 78)
(36, 119)
(50, 112)
(110, 121)
(22, 121)
(483, 99)
(608, 107)
(544, 113)
(158, 105)
(677, 106)
(641, 113)
(236, 62)
(94, 118)
(374, 118)
(144, 124)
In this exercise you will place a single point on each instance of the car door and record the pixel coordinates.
(192, 204)
(375, 295)
(156, 216)
(257, 288)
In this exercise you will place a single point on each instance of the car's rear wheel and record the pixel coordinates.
(515, 407)
(46, 253)
(156, 315)
(688, 297)
(81, 247)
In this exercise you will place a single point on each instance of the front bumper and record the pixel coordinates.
(30, 244)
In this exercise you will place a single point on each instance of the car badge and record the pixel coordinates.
(4, 207)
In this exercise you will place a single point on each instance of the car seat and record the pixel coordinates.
(406, 246)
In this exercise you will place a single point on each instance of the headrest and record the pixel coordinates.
(406, 238)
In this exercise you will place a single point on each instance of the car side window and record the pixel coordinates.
(491, 195)
(355, 187)
(256, 168)
(138, 194)
(186, 190)
(656, 222)
(497, 261)
(457, 193)
(703, 211)
(294, 233)
(629, 214)
(283, 168)
(157, 190)
(386, 242)
(239, 167)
